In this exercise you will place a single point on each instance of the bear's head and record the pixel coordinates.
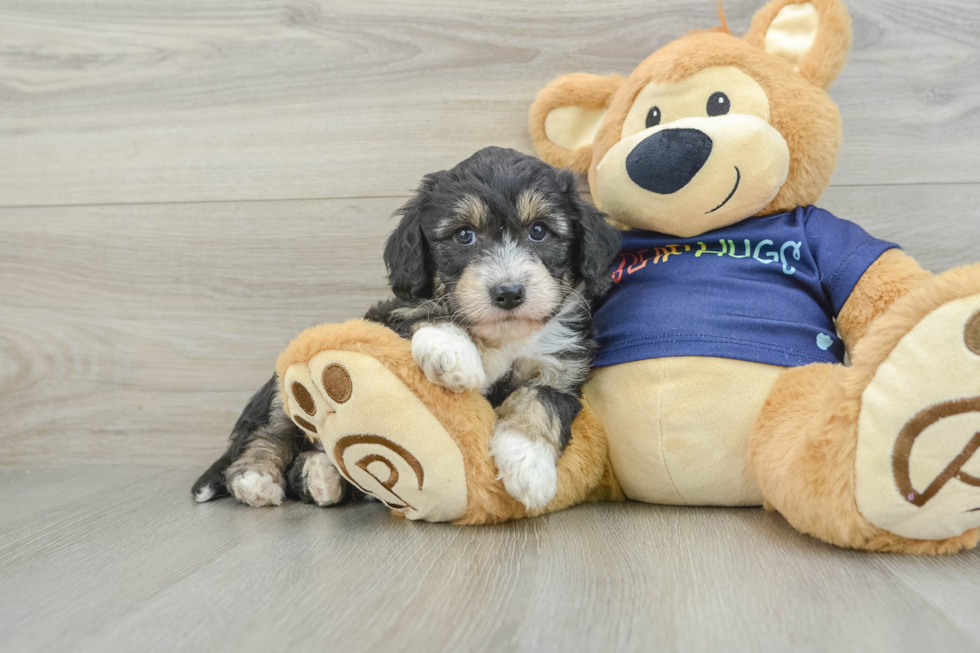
(711, 129)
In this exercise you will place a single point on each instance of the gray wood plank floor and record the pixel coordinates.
(119, 559)
(186, 184)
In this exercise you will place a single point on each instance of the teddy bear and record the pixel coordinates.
(720, 376)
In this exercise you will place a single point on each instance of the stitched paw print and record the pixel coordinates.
(917, 466)
(376, 434)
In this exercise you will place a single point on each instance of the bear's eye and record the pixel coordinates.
(718, 104)
(653, 117)
(465, 236)
(537, 232)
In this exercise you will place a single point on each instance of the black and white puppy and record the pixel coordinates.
(494, 266)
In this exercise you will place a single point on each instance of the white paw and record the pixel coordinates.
(257, 489)
(448, 357)
(206, 493)
(323, 481)
(527, 467)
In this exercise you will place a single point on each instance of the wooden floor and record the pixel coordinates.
(117, 559)
(186, 184)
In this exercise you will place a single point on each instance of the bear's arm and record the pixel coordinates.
(893, 275)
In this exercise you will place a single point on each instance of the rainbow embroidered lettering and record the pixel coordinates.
(764, 252)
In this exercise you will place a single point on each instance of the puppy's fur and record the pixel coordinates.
(503, 220)
(494, 265)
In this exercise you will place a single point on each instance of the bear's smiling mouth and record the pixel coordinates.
(738, 178)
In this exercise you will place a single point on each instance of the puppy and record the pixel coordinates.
(494, 266)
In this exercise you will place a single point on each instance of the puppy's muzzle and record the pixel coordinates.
(668, 160)
(507, 298)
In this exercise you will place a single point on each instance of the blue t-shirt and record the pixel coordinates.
(766, 290)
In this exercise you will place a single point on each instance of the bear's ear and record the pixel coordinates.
(813, 36)
(566, 116)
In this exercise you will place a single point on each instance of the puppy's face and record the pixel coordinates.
(504, 259)
(503, 239)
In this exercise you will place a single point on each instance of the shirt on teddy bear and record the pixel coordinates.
(764, 290)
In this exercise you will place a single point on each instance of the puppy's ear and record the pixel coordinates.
(599, 240)
(406, 252)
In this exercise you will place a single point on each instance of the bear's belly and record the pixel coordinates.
(679, 427)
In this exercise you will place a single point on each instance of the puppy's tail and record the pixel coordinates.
(211, 485)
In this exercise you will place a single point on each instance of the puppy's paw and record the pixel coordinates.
(257, 489)
(448, 357)
(323, 482)
(527, 466)
(205, 493)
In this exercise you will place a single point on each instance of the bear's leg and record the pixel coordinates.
(882, 455)
(418, 447)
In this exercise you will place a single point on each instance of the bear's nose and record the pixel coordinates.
(667, 161)
(507, 297)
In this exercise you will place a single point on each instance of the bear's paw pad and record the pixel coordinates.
(377, 434)
(917, 470)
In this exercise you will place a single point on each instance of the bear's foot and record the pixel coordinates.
(377, 434)
(917, 472)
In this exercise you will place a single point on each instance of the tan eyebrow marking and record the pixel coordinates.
(472, 209)
(532, 205)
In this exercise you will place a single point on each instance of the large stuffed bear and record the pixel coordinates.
(719, 378)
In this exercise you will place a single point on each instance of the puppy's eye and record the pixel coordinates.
(465, 236)
(653, 117)
(718, 104)
(537, 232)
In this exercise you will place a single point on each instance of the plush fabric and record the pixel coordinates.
(894, 274)
(715, 184)
(382, 409)
(922, 437)
(466, 417)
(769, 289)
(590, 92)
(677, 427)
(802, 113)
(834, 471)
(823, 61)
(402, 454)
(800, 109)
(805, 440)
(883, 455)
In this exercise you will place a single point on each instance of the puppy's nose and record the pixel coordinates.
(507, 297)
(667, 161)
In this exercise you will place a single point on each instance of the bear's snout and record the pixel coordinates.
(668, 160)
